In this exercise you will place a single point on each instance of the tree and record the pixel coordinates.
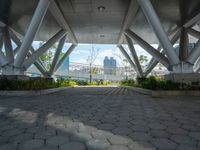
(47, 57)
(126, 67)
(160, 66)
(143, 59)
(93, 53)
(123, 62)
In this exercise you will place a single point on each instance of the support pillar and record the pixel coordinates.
(57, 54)
(123, 51)
(195, 53)
(43, 49)
(1, 42)
(134, 56)
(153, 61)
(38, 64)
(3, 59)
(159, 30)
(8, 45)
(183, 48)
(31, 32)
(197, 65)
(194, 33)
(65, 56)
(152, 51)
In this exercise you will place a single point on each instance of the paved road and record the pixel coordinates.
(99, 119)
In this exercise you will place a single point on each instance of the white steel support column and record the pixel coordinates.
(43, 49)
(65, 56)
(19, 43)
(195, 53)
(184, 41)
(159, 31)
(38, 64)
(57, 54)
(123, 51)
(1, 53)
(31, 32)
(152, 51)
(153, 61)
(15, 51)
(40, 68)
(197, 65)
(8, 45)
(39, 61)
(134, 56)
(194, 33)
(152, 64)
(3, 58)
(1, 41)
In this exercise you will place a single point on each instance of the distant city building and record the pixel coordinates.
(65, 65)
(110, 66)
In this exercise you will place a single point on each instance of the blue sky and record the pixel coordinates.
(81, 53)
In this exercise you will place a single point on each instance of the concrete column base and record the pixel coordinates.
(12, 70)
(14, 77)
(183, 67)
(187, 78)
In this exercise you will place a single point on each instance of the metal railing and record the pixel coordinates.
(82, 71)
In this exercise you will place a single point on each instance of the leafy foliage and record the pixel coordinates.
(43, 83)
(157, 83)
(38, 84)
(129, 82)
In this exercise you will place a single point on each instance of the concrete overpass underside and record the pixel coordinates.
(119, 22)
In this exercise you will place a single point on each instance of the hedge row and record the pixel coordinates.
(157, 83)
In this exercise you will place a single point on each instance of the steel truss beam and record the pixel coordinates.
(57, 54)
(195, 53)
(192, 21)
(56, 12)
(39, 60)
(153, 61)
(159, 31)
(8, 45)
(123, 51)
(65, 56)
(128, 20)
(3, 58)
(38, 64)
(134, 56)
(18, 42)
(31, 32)
(194, 33)
(197, 65)
(43, 48)
(152, 51)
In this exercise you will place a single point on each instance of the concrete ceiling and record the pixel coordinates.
(90, 25)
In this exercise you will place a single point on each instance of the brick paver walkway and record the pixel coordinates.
(99, 119)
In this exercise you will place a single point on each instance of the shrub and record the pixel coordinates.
(105, 82)
(158, 83)
(81, 82)
(149, 83)
(64, 83)
(129, 82)
(38, 84)
(92, 83)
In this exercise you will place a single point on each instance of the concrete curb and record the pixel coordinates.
(163, 93)
(33, 93)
